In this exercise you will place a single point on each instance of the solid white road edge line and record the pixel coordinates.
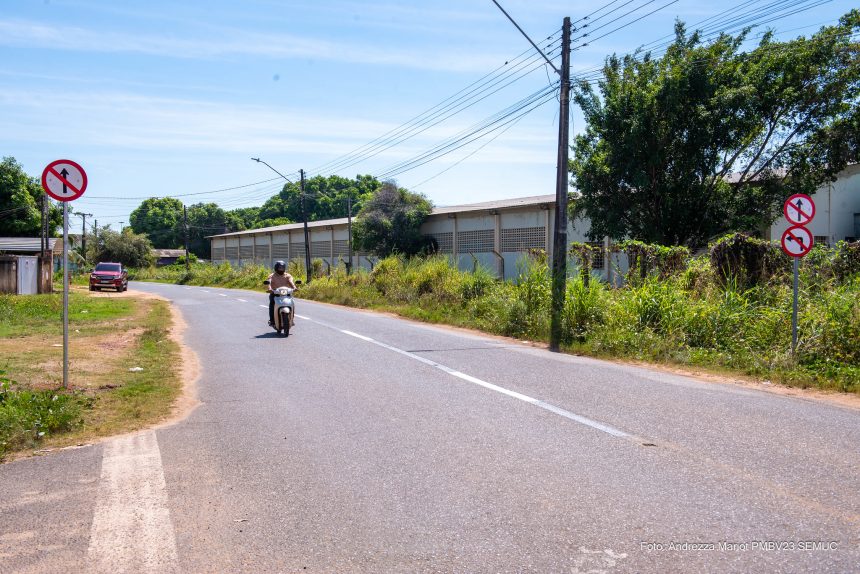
(132, 530)
(513, 394)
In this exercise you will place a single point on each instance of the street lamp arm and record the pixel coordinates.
(258, 160)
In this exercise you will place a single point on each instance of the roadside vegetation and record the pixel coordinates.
(726, 311)
(109, 335)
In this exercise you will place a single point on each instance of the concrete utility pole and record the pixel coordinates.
(307, 235)
(185, 225)
(559, 251)
(349, 231)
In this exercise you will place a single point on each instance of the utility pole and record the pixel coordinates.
(349, 231)
(84, 234)
(43, 240)
(185, 225)
(559, 251)
(307, 235)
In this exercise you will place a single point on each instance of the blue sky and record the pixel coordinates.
(168, 98)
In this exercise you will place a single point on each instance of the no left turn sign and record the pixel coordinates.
(799, 209)
(796, 241)
(64, 180)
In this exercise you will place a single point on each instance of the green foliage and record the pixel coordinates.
(663, 134)
(647, 258)
(129, 248)
(24, 315)
(160, 219)
(325, 198)
(20, 203)
(746, 261)
(390, 221)
(27, 416)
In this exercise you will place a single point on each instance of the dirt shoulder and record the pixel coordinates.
(134, 370)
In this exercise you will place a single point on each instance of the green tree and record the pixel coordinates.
(160, 218)
(20, 203)
(390, 221)
(244, 218)
(205, 219)
(708, 138)
(129, 248)
(325, 198)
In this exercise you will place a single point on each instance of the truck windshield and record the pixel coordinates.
(108, 267)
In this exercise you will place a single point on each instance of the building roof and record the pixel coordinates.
(487, 205)
(168, 252)
(24, 244)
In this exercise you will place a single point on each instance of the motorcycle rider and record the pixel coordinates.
(279, 278)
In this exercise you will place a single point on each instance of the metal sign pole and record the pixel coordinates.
(65, 295)
(794, 310)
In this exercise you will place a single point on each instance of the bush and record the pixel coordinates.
(26, 416)
(747, 261)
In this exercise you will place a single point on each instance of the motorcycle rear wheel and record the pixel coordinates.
(285, 322)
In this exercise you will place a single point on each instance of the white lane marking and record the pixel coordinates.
(132, 530)
(513, 394)
(222, 294)
(188, 288)
(242, 300)
(206, 291)
(266, 307)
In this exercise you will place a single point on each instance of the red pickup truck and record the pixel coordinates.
(109, 275)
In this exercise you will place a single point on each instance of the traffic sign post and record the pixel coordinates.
(797, 241)
(65, 181)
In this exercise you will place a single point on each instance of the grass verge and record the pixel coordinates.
(110, 335)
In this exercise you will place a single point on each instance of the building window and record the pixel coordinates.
(480, 241)
(444, 241)
(246, 252)
(281, 251)
(320, 249)
(231, 253)
(297, 251)
(599, 257)
(217, 254)
(523, 238)
(821, 240)
(341, 248)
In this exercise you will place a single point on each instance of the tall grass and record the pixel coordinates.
(691, 316)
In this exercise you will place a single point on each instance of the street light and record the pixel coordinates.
(304, 215)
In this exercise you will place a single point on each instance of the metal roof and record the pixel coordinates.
(487, 205)
(24, 244)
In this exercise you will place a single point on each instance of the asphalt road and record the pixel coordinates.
(365, 443)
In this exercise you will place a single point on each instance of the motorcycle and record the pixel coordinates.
(284, 309)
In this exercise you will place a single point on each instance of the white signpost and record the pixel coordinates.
(65, 181)
(797, 240)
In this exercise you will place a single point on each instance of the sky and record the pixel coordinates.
(166, 98)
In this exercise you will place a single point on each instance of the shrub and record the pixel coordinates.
(647, 258)
(746, 261)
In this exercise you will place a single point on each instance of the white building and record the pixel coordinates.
(837, 211)
(499, 234)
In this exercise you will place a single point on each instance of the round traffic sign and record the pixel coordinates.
(64, 180)
(796, 241)
(799, 209)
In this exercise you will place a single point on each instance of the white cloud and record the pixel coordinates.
(23, 33)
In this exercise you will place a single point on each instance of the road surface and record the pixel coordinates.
(365, 443)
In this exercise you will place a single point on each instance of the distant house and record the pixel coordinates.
(167, 256)
(24, 270)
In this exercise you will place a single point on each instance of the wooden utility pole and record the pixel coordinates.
(307, 235)
(559, 251)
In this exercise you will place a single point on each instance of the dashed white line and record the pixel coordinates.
(223, 295)
(513, 394)
(242, 300)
